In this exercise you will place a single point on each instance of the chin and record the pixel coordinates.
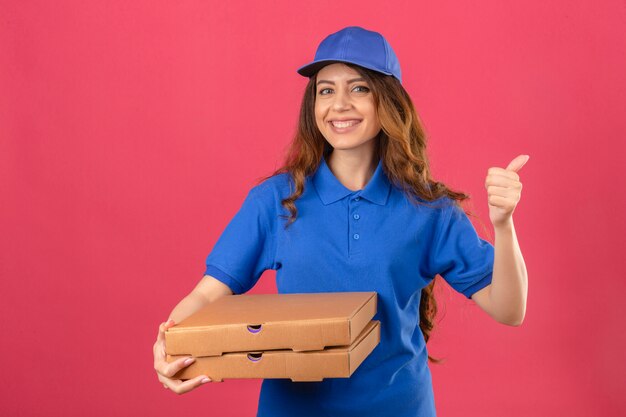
(346, 144)
(343, 146)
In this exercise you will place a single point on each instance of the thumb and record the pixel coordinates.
(517, 163)
(162, 328)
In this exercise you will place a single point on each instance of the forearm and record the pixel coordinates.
(509, 286)
(187, 306)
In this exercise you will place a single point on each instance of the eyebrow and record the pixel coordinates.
(332, 82)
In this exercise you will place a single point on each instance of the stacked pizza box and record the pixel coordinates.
(303, 337)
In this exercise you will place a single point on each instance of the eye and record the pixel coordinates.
(358, 88)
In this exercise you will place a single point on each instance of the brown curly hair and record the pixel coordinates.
(401, 146)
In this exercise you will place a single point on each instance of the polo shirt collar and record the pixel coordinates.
(330, 189)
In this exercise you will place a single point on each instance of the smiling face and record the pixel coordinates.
(345, 109)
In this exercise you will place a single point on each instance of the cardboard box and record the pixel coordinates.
(333, 362)
(260, 322)
(303, 337)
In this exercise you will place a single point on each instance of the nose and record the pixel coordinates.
(341, 100)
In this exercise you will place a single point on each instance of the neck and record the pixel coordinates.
(351, 169)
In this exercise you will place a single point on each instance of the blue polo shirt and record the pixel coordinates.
(372, 239)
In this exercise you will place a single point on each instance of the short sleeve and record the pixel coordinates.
(245, 248)
(459, 255)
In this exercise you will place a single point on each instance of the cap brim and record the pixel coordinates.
(311, 68)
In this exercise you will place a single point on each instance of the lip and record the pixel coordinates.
(344, 120)
(345, 129)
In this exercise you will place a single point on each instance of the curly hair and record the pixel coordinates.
(401, 145)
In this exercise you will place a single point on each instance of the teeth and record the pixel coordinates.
(344, 124)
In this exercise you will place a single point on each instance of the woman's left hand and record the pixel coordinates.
(504, 190)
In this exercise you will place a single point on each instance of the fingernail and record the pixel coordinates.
(188, 361)
(205, 380)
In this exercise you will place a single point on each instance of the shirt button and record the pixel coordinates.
(356, 236)
(357, 198)
(356, 217)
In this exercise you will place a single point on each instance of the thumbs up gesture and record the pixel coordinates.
(504, 190)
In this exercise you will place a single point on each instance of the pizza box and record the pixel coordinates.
(261, 322)
(309, 366)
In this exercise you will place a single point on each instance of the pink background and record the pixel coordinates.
(130, 132)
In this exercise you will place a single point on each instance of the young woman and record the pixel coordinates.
(355, 209)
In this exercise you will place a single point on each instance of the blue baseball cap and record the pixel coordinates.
(355, 45)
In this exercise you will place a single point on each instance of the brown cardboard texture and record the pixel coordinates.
(260, 322)
(333, 362)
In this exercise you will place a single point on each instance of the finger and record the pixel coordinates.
(190, 384)
(163, 327)
(169, 369)
(501, 202)
(181, 387)
(503, 192)
(500, 181)
(161, 333)
(160, 359)
(167, 382)
(501, 172)
(517, 163)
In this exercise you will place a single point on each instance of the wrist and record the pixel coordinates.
(504, 227)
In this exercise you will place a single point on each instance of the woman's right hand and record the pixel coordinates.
(166, 370)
